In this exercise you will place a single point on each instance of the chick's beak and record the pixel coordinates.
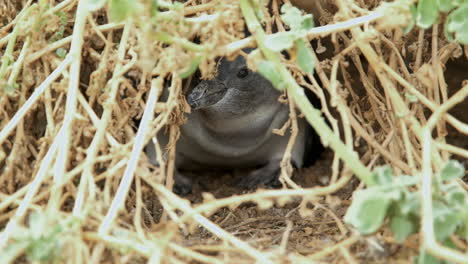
(206, 93)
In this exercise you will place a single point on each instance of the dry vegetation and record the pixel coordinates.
(78, 95)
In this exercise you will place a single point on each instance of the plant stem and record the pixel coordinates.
(33, 99)
(70, 106)
(143, 130)
(168, 39)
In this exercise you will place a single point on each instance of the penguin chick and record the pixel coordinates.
(230, 126)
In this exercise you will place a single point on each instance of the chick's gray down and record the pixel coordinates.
(230, 126)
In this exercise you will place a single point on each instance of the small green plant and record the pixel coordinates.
(426, 13)
(159, 13)
(43, 241)
(295, 38)
(394, 198)
(121, 9)
(63, 17)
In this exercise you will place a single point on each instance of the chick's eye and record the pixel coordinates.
(242, 73)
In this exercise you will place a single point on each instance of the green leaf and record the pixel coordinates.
(382, 176)
(43, 249)
(462, 36)
(445, 5)
(120, 9)
(280, 41)
(402, 227)
(304, 58)
(446, 220)
(10, 89)
(61, 52)
(448, 35)
(268, 70)
(411, 98)
(36, 222)
(425, 258)
(294, 18)
(410, 204)
(406, 180)
(455, 195)
(446, 226)
(258, 6)
(457, 24)
(178, 6)
(368, 210)
(308, 22)
(463, 230)
(410, 26)
(426, 13)
(452, 170)
(192, 67)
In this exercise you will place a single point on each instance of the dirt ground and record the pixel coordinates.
(289, 228)
(265, 228)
